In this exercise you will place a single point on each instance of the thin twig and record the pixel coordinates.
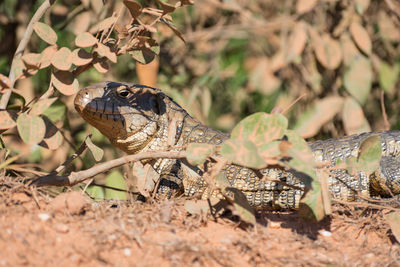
(21, 47)
(78, 177)
(384, 115)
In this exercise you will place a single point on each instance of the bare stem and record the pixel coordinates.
(21, 47)
(78, 177)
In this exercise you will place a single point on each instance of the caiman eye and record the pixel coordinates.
(123, 91)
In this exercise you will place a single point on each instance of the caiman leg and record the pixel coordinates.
(137, 118)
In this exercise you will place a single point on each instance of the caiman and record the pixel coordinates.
(137, 118)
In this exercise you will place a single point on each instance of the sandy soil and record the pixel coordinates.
(71, 229)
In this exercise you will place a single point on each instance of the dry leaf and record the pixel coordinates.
(353, 117)
(323, 111)
(304, 6)
(65, 82)
(62, 59)
(47, 55)
(361, 37)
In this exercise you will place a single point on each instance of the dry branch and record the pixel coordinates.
(78, 177)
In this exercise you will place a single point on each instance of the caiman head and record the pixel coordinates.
(133, 117)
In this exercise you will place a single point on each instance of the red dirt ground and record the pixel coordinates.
(72, 230)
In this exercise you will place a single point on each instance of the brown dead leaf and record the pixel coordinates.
(354, 120)
(146, 178)
(361, 37)
(134, 8)
(304, 6)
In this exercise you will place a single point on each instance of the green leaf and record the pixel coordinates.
(311, 207)
(117, 181)
(393, 219)
(45, 32)
(32, 129)
(242, 206)
(388, 76)
(197, 153)
(260, 128)
(370, 153)
(96, 192)
(242, 152)
(358, 78)
(97, 152)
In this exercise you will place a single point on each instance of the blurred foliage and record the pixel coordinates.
(238, 58)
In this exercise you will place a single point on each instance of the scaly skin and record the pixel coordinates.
(138, 118)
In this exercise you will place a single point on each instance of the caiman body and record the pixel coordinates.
(138, 118)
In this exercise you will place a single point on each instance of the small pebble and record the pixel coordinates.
(61, 228)
(127, 252)
(325, 233)
(275, 225)
(44, 216)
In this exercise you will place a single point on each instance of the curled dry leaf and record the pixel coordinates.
(47, 55)
(174, 29)
(353, 117)
(361, 37)
(323, 111)
(101, 66)
(62, 59)
(31, 60)
(167, 8)
(146, 178)
(45, 32)
(304, 6)
(85, 39)
(31, 129)
(104, 51)
(134, 8)
(8, 119)
(81, 57)
(65, 82)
